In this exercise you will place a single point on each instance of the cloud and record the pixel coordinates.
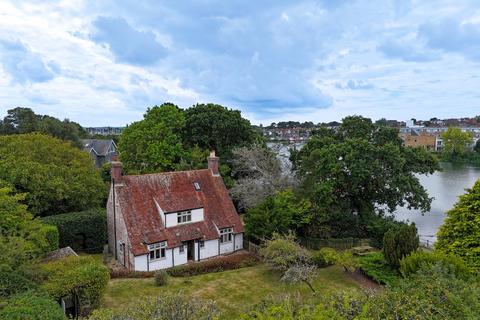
(355, 85)
(23, 65)
(127, 44)
(407, 51)
(453, 34)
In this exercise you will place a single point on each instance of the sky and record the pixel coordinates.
(105, 62)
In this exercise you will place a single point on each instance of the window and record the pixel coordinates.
(201, 243)
(157, 250)
(226, 235)
(197, 186)
(120, 246)
(184, 216)
(181, 249)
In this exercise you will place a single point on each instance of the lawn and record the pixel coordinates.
(235, 291)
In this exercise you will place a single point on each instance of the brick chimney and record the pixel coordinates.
(213, 163)
(116, 169)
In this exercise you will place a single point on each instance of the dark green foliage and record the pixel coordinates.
(32, 306)
(24, 120)
(55, 176)
(376, 267)
(399, 242)
(52, 235)
(280, 213)
(82, 274)
(214, 127)
(83, 231)
(161, 278)
(13, 282)
(234, 261)
(359, 171)
(460, 233)
(325, 257)
(421, 259)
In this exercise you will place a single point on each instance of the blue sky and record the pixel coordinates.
(104, 62)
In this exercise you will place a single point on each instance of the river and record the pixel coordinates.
(444, 186)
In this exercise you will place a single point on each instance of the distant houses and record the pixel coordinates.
(100, 150)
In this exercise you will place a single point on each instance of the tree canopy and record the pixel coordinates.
(55, 176)
(361, 169)
(460, 232)
(456, 142)
(24, 120)
(212, 126)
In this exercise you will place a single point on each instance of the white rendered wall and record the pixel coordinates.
(210, 249)
(238, 241)
(171, 218)
(180, 258)
(141, 263)
(226, 247)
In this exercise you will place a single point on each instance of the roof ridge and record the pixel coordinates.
(164, 173)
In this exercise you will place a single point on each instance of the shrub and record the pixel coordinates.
(325, 257)
(83, 274)
(347, 261)
(12, 282)
(83, 231)
(165, 307)
(32, 306)
(376, 267)
(161, 278)
(399, 242)
(234, 261)
(52, 236)
(416, 260)
(282, 252)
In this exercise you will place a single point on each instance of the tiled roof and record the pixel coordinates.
(100, 146)
(173, 192)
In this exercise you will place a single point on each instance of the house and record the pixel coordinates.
(161, 220)
(416, 139)
(101, 150)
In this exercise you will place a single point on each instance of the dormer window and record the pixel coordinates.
(196, 185)
(184, 216)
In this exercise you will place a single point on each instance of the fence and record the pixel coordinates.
(252, 248)
(339, 244)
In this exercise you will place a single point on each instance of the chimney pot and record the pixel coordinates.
(213, 163)
(116, 169)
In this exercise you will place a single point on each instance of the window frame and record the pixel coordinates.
(184, 217)
(226, 235)
(201, 244)
(181, 249)
(157, 251)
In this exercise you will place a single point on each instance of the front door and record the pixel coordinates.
(191, 250)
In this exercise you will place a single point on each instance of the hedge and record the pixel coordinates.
(416, 260)
(82, 231)
(12, 282)
(83, 274)
(234, 261)
(32, 306)
(52, 236)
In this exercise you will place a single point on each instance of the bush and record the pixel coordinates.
(32, 306)
(419, 259)
(376, 267)
(82, 231)
(399, 242)
(347, 261)
(234, 261)
(12, 282)
(52, 236)
(282, 252)
(161, 278)
(83, 274)
(325, 257)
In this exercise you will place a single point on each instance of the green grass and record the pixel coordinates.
(235, 291)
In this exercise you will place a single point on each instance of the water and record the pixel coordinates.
(444, 186)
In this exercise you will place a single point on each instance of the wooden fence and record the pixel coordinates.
(252, 248)
(339, 244)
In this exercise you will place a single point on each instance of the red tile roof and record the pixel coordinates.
(174, 191)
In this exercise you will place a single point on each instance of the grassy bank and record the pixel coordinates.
(235, 291)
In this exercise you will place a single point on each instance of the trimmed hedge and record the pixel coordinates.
(234, 261)
(377, 268)
(416, 260)
(83, 274)
(82, 231)
(32, 306)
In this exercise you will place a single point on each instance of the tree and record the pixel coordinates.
(259, 175)
(400, 242)
(361, 170)
(477, 146)
(279, 213)
(301, 272)
(214, 127)
(282, 252)
(456, 142)
(55, 176)
(460, 232)
(154, 144)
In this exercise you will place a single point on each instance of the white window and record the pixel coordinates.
(181, 249)
(196, 185)
(226, 235)
(201, 243)
(157, 250)
(184, 216)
